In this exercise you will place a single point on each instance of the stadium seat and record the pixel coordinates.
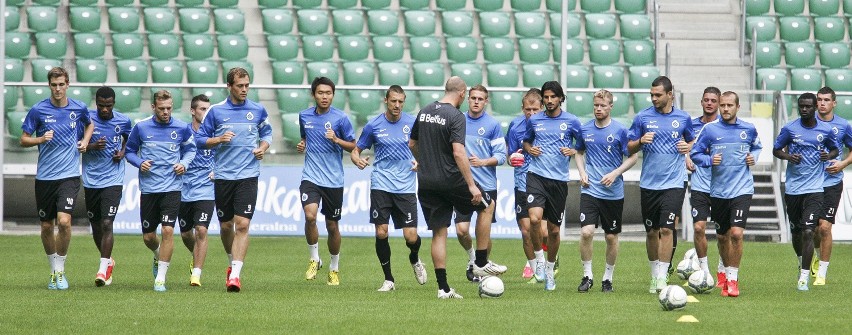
(578, 76)
(471, 73)
(425, 97)
(642, 76)
(631, 6)
(288, 73)
(488, 5)
(375, 4)
(189, 3)
(457, 23)
(579, 103)
(293, 101)
(503, 75)
(159, 20)
(323, 69)
(498, 49)
(606, 76)
(844, 106)
(33, 94)
(202, 72)
(789, 7)
(347, 22)
(312, 22)
(829, 29)
(127, 46)
(163, 46)
(604, 52)
(51, 45)
(11, 95)
(150, 3)
(82, 94)
(757, 7)
(495, 24)
(230, 64)
(600, 25)
(414, 4)
(505, 103)
(767, 54)
(359, 73)
(450, 5)
(123, 19)
(526, 5)
(839, 79)
(229, 21)
(556, 5)
(232, 47)
(307, 3)
(771, 79)
(461, 49)
(166, 71)
(805, 80)
(595, 6)
(823, 7)
(620, 105)
(177, 96)
(800, 54)
(117, 3)
(13, 18)
(282, 47)
(536, 75)
(847, 8)
(41, 18)
(290, 124)
(428, 74)
(834, 55)
(40, 67)
(277, 21)
(574, 49)
(128, 99)
(794, 29)
(200, 46)
(639, 52)
(574, 25)
(91, 71)
(364, 103)
(765, 26)
(534, 50)
(18, 45)
(15, 122)
(194, 20)
(223, 3)
(353, 48)
(82, 19)
(317, 47)
(14, 70)
(641, 101)
(530, 24)
(393, 74)
(424, 49)
(382, 22)
(388, 48)
(635, 26)
(132, 71)
(88, 45)
(420, 23)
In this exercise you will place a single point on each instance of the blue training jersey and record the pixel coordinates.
(514, 142)
(843, 137)
(57, 158)
(551, 134)
(323, 159)
(165, 144)
(393, 160)
(731, 178)
(99, 170)
(807, 176)
(234, 160)
(700, 179)
(605, 150)
(662, 166)
(484, 139)
(197, 184)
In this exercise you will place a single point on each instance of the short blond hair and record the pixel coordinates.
(604, 94)
(161, 95)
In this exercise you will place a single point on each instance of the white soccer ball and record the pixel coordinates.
(687, 267)
(491, 287)
(673, 297)
(691, 254)
(701, 282)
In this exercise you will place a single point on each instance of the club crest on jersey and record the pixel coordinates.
(610, 138)
(530, 198)
(406, 129)
(518, 209)
(327, 125)
(648, 222)
(375, 214)
(582, 217)
(249, 116)
(481, 131)
(41, 213)
(820, 137)
(220, 213)
(743, 135)
(182, 223)
(694, 212)
(117, 129)
(563, 126)
(304, 197)
(675, 124)
(72, 116)
(835, 130)
(145, 224)
(173, 135)
(90, 214)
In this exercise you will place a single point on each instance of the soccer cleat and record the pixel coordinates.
(814, 266)
(333, 278)
(721, 279)
(585, 284)
(652, 287)
(449, 295)
(528, 271)
(606, 286)
(194, 281)
(802, 285)
(233, 285)
(154, 268)
(100, 279)
(469, 273)
(52, 284)
(549, 282)
(313, 267)
(61, 281)
(228, 274)
(662, 282)
(387, 286)
(419, 272)
(539, 272)
(160, 286)
(724, 289)
(110, 267)
(490, 269)
(819, 281)
(733, 288)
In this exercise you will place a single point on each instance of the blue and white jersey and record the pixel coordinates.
(323, 159)
(551, 134)
(234, 160)
(662, 166)
(393, 162)
(605, 150)
(99, 170)
(731, 178)
(515, 141)
(197, 184)
(700, 179)
(484, 139)
(807, 176)
(57, 158)
(842, 132)
(164, 144)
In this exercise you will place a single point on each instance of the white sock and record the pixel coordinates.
(162, 269)
(471, 256)
(702, 262)
(587, 269)
(803, 274)
(654, 264)
(60, 263)
(608, 272)
(335, 263)
(662, 269)
(732, 273)
(800, 262)
(156, 253)
(721, 267)
(531, 263)
(230, 258)
(104, 265)
(236, 267)
(548, 268)
(823, 269)
(196, 272)
(539, 255)
(313, 250)
(51, 259)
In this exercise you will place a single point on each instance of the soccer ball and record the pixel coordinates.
(691, 254)
(491, 287)
(700, 282)
(687, 267)
(673, 297)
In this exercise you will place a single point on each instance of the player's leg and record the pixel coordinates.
(404, 213)
(811, 212)
(671, 203)
(168, 204)
(245, 198)
(203, 212)
(332, 205)
(536, 223)
(186, 214)
(738, 210)
(93, 211)
(650, 205)
(383, 252)
(700, 202)
(793, 204)
(466, 242)
(109, 200)
(522, 217)
(310, 205)
(224, 195)
(589, 217)
(45, 192)
(66, 193)
(484, 220)
(824, 238)
(611, 218)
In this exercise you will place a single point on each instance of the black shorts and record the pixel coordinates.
(661, 208)
(332, 199)
(548, 194)
(194, 214)
(235, 197)
(467, 217)
(700, 202)
(803, 210)
(522, 209)
(831, 199)
(102, 203)
(606, 212)
(438, 205)
(158, 208)
(53, 196)
(729, 213)
(402, 207)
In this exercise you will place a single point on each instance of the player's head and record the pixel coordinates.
(238, 85)
(531, 102)
(454, 91)
(477, 99)
(826, 101)
(322, 89)
(198, 107)
(162, 105)
(729, 105)
(662, 93)
(57, 79)
(552, 95)
(394, 101)
(105, 101)
(602, 104)
(710, 100)
(807, 105)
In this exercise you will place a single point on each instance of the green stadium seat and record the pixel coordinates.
(526, 5)
(288, 73)
(82, 94)
(33, 94)
(534, 50)
(574, 25)
(530, 24)
(595, 6)
(424, 49)
(457, 23)
(11, 95)
(505, 103)
(223, 3)
(163, 46)
(282, 47)
(177, 95)
(805, 80)
(189, 3)
(317, 47)
(307, 3)
(620, 105)
(829, 29)
(767, 54)
(834, 55)
(420, 23)
(230, 64)
(642, 76)
(117, 3)
(194, 20)
(498, 49)
(232, 47)
(839, 79)
(128, 99)
(606, 76)
(635, 26)
(13, 18)
(87, 45)
(348, 22)
(789, 7)
(847, 8)
(14, 71)
(388, 48)
(414, 4)
(844, 106)
(794, 29)
(600, 25)
(503, 75)
(19, 3)
(496, 24)
(290, 125)
(277, 21)
(382, 22)
(91, 71)
(639, 52)
(229, 21)
(394, 74)
(73, 2)
(375, 4)
(339, 102)
(353, 48)
(123, 19)
(470, 73)
(579, 103)
(765, 26)
(359, 73)
(631, 6)
(823, 7)
(757, 7)
(82, 19)
(198, 46)
(641, 101)
(51, 45)
(152, 3)
(323, 69)
(488, 5)
(132, 71)
(536, 75)
(15, 122)
(604, 52)
(578, 76)
(41, 18)
(556, 5)
(40, 67)
(312, 22)
(293, 100)
(166, 71)
(159, 20)
(364, 103)
(461, 49)
(771, 79)
(428, 74)
(18, 45)
(202, 72)
(574, 49)
(799, 54)
(425, 97)
(450, 5)
(127, 46)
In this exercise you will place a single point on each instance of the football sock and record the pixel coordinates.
(383, 251)
(702, 262)
(663, 270)
(481, 258)
(539, 256)
(60, 263)
(104, 264)
(441, 277)
(162, 268)
(335, 262)
(732, 273)
(532, 263)
(471, 256)
(196, 272)
(654, 264)
(51, 259)
(236, 268)
(414, 256)
(804, 274)
(587, 269)
(313, 250)
(548, 268)
(721, 267)
(608, 271)
(823, 269)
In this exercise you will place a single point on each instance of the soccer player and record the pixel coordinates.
(663, 173)
(550, 139)
(326, 132)
(805, 143)
(445, 181)
(600, 161)
(729, 147)
(161, 147)
(237, 128)
(392, 182)
(486, 149)
(61, 129)
(103, 176)
(197, 194)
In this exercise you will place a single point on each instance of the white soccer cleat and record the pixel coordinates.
(420, 272)
(387, 286)
(490, 269)
(449, 295)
